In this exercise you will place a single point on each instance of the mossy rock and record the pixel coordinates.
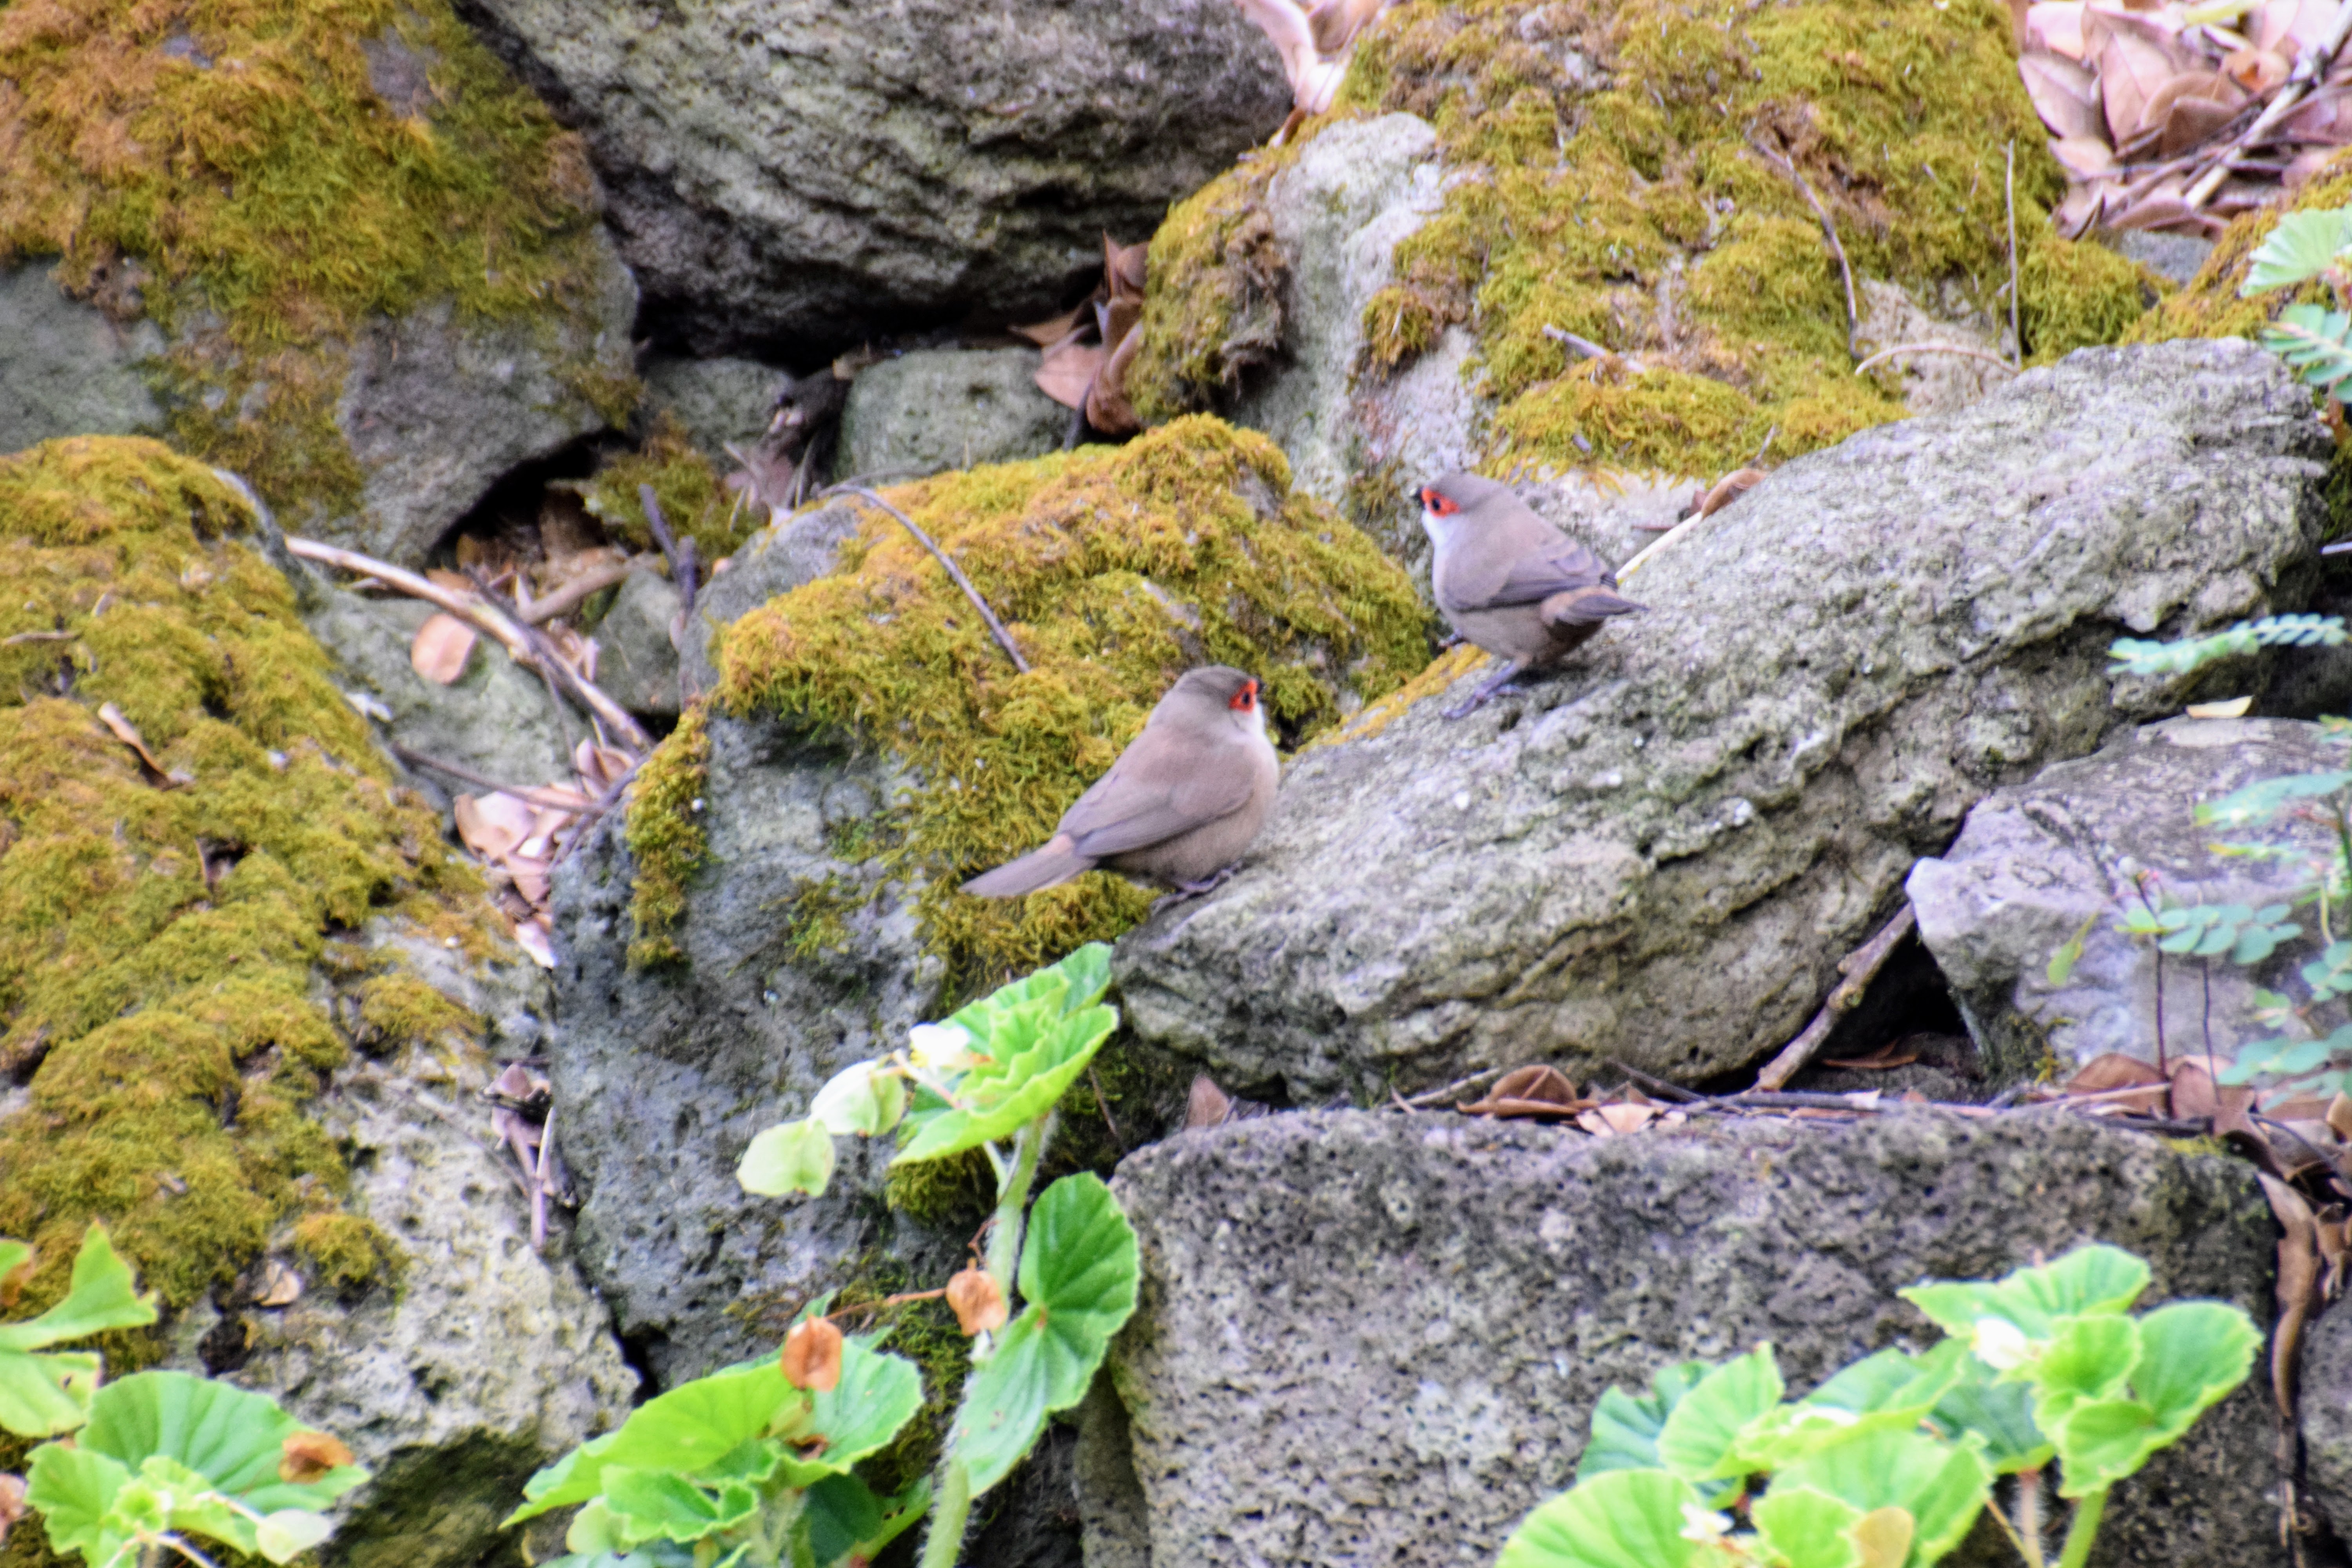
(377, 258)
(164, 925)
(1603, 173)
(1113, 570)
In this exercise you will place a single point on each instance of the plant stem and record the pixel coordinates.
(2084, 1530)
(951, 1509)
(1013, 1203)
(2029, 1516)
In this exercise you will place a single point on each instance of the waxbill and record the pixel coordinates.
(1509, 582)
(1177, 807)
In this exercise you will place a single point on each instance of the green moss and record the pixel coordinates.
(1213, 307)
(157, 945)
(344, 1252)
(251, 188)
(951, 1195)
(667, 842)
(1641, 215)
(1115, 571)
(398, 1011)
(693, 503)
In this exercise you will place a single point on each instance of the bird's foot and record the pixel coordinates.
(1193, 890)
(1450, 640)
(1505, 686)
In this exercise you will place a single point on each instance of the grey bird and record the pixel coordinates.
(1177, 807)
(1511, 582)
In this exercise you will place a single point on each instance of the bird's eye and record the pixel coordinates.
(1245, 698)
(1442, 505)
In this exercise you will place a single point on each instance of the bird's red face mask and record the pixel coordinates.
(1245, 700)
(1438, 502)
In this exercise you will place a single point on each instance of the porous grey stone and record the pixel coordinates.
(797, 963)
(779, 558)
(436, 409)
(68, 369)
(819, 171)
(2040, 863)
(2325, 1405)
(935, 409)
(638, 663)
(497, 718)
(1659, 853)
(1372, 1337)
(718, 401)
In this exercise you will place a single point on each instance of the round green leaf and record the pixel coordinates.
(793, 1157)
(1625, 1426)
(290, 1531)
(1002, 1096)
(860, 1099)
(1806, 1528)
(232, 1439)
(1942, 1486)
(75, 1490)
(1620, 1519)
(1700, 1440)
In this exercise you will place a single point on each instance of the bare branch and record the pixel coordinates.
(995, 627)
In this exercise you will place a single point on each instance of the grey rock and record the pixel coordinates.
(1339, 213)
(2178, 256)
(1660, 852)
(718, 401)
(438, 410)
(509, 991)
(487, 1360)
(797, 963)
(69, 368)
(1372, 1337)
(818, 171)
(1892, 317)
(2040, 863)
(781, 557)
(2325, 1406)
(497, 720)
(638, 663)
(935, 409)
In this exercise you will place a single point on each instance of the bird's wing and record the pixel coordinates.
(1167, 782)
(1537, 577)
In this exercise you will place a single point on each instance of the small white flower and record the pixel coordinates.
(940, 1048)
(2001, 1344)
(1703, 1525)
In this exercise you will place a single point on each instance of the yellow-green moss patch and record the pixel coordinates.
(1213, 307)
(157, 940)
(1606, 175)
(231, 159)
(685, 486)
(1115, 570)
(665, 837)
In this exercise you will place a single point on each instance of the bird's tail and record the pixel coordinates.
(1055, 863)
(1587, 608)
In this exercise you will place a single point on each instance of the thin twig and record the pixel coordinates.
(1934, 349)
(1859, 967)
(1672, 1091)
(2308, 70)
(1102, 1103)
(611, 719)
(2008, 189)
(523, 644)
(1829, 229)
(537, 796)
(682, 564)
(584, 587)
(23, 638)
(594, 815)
(995, 627)
(1589, 349)
(1459, 1086)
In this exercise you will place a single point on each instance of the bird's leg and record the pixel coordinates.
(1497, 684)
(1193, 890)
(1450, 640)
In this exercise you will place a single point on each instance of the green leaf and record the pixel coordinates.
(2000, 1414)
(2086, 1359)
(1001, 1096)
(290, 1531)
(793, 1157)
(1625, 1427)
(844, 1521)
(1076, 983)
(876, 1395)
(233, 1438)
(861, 1099)
(1892, 1389)
(1620, 1518)
(2312, 340)
(103, 1296)
(75, 1490)
(42, 1396)
(2093, 1279)
(2302, 245)
(2134, 657)
(693, 1426)
(1942, 1486)
(2104, 1440)
(649, 1505)
(2192, 1353)
(1078, 1276)
(1806, 1528)
(1700, 1440)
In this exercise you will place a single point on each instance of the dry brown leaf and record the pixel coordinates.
(1067, 370)
(601, 766)
(456, 581)
(2195, 1097)
(2257, 70)
(2065, 96)
(978, 1301)
(811, 1358)
(2290, 27)
(2339, 1115)
(281, 1287)
(13, 1506)
(442, 646)
(1885, 1058)
(1108, 408)
(2084, 157)
(1057, 327)
(535, 937)
(1334, 24)
(1528, 1092)
(304, 1457)
(1616, 1120)
(2113, 1069)
(2055, 26)
(2323, 117)
(492, 824)
(2192, 108)
(1125, 268)
(2302, 1151)
(1727, 489)
(2233, 709)
(530, 880)
(2079, 210)
(2132, 69)
(128, 733)
(1207, 1105)
(2298, 1285)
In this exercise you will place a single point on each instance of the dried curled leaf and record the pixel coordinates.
(13, 1506)
(442, 646)
(811, 1358)
(306, 1456)
(1528, 1092)
(978, 1301)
